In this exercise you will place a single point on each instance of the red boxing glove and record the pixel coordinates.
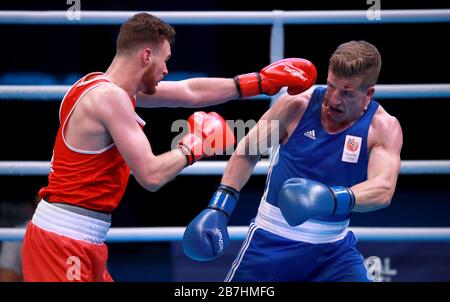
(297, 74)
(209, 134)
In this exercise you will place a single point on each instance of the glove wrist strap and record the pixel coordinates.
(248, 84)
(224, 199)
(188, 153)
(344, 199)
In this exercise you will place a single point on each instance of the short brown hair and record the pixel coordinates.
(357, 58)
(143, 28)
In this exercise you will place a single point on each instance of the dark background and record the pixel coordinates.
(412, 53)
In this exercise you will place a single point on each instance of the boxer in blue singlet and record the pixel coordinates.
(338, 152)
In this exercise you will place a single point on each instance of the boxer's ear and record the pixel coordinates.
(146, 55)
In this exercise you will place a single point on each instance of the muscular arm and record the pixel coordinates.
(275, 123)
(197, 92)
(117, 115)
(383, 167)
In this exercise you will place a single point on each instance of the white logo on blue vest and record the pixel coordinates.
(352, 148)
(311, 134)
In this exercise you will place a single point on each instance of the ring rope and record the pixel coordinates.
(217, 167)
(162, 234)
(382, 91)
(230, 17)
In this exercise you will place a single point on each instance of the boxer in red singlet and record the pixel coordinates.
(100, 140)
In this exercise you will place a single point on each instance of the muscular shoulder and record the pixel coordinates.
(385, 129)
(109, 92)
(289, 110)
(289, 106)
(109, 99)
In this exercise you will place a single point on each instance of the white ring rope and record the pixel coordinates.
(162, 234)
(33, 92)
(382, 91)
(36, 168)
(231, 17)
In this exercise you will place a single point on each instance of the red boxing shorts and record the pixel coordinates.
(62, 246)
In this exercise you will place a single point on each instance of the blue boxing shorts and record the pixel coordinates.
(267, 257)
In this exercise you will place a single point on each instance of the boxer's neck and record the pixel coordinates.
(126, 74)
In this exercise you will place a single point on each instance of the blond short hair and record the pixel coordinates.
(356, 58)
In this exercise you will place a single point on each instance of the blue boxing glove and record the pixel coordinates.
(300, 199)
(206, 237)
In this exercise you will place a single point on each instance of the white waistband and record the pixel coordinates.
(270, 218)
(60, 221)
